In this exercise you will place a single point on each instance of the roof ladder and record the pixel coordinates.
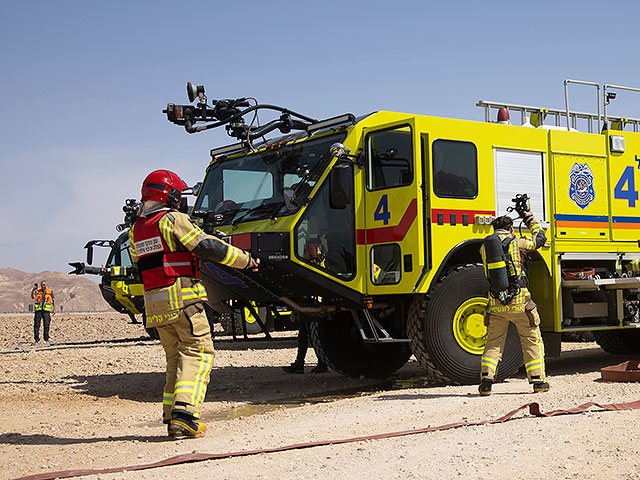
(566, 103)
(538, 115)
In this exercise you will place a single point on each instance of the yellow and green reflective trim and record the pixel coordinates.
(205, 367)
(196, 291)
(165, 231)
(489, 362)
(173, 296)
(515, 259)
(167, 398)
(190, 235)
(532, 365)
(132, 250)
(185, 386)
(494, 265)
(231, 256)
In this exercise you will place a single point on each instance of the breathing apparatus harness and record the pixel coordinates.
(504, 281)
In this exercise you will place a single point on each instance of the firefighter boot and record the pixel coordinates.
(485, 387)
(184, 425)
(541, 387)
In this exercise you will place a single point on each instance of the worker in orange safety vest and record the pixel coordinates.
(44, 306)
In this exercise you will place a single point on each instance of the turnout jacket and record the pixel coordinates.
(517, 249)
(164, 244)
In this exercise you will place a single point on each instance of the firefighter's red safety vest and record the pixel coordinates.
(158, 265)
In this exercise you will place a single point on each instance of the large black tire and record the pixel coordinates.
(618, 341)
(338, 342)
(431, 330)
(578, 337)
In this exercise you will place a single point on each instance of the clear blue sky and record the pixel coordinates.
(83, 84)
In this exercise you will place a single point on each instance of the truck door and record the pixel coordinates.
(394, 231)
(580, 186)
(624, 175)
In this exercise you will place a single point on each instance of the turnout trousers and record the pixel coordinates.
(189, 352)
(528, 325)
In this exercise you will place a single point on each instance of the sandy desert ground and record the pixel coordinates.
(92, 401)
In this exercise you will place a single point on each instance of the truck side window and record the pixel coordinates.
(125, 256)
(385, 264)
(389, 158)
(455, 169)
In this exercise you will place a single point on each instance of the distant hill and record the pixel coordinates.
(74, 293)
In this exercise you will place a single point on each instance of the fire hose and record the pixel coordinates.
(533, 407)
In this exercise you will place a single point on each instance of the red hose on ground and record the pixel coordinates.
(534, 409)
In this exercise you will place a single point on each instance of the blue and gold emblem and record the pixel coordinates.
(581, 188)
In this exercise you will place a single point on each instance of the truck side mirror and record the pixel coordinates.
(340, 186)
(89, 254)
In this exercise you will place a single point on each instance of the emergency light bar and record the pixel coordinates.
(332, 122)
(235, 147)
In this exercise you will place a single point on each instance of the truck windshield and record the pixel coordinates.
(269, 183)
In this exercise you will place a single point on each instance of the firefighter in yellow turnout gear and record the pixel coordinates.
(164, 243)
(513, 305)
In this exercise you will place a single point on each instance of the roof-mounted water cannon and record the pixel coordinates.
(231, 112)
(220, 112)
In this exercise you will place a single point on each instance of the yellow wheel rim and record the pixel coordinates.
(468, 325)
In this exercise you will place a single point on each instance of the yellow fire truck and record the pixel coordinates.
(371, 226)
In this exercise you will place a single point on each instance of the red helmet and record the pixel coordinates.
(163, 186)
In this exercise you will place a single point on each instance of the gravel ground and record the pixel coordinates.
(75, 407)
